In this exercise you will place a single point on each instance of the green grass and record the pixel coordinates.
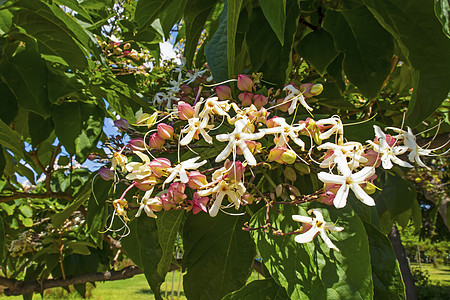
(441, 273)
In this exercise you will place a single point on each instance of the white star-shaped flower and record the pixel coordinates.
(317, 225)
(181, 168)
(294, 95)
(286, 131)
(348, 180)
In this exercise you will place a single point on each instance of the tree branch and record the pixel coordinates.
(48, 194)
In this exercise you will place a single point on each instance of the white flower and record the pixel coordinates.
(214, 107)
(294, 95)
(318, 225)
(238, 138)
(389, 154)
(348, 180)
(336, 127)
(234, 191)
(149, 205)
(416, 150)
(286, 131)
(137, 170)
(351, 150)
(196, 126)
(181, 168)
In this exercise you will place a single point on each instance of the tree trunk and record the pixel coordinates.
(394, 236)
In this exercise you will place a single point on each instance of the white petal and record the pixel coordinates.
(331, 178)
(188, 138)
(303, 219)
(386, 162)
(216, 205)
(224, 137)
(247, 153)
(307, 236)
(225, 152)
(362, 195)
(183, 175)
(327, 240)
(341, 196)
(362, 175)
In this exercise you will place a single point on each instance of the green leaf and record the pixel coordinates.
(2, 239)
(26, 210)
(61, 84)
(275, 13)
(195, 15)
(318, 49)
(168, 224)
(143, 248)
(216, 49)
(97, 209)
(148, 10)
(387, 279)
(259, 289)
(367, 47)
(2, 161)
(218, 250)
(25, 74)
(52, 36)
(74, 5)
(39, 128)
(59, 218)
(5, 21)
(312, 270)
(442, 10)
(10, 139)
(78, 126)
(420, 37)
(9, 103)
(171, 15)
(233, 11)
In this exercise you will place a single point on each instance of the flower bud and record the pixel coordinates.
(271, 122)
(259, 101)
(235, 170)
(176, 192)
(196, 180)
(147, 119)
(275, 154)
(185, 111)
(289, 157)
(327, 198)
(248, 198)
(166, 203)
(316, 89)
(137, 144)
(244, 83)
(283, 107)
(186, 89)
(106, 174)
(156, 142)
(159, 166)
(223, 92)
(144, 186)
(134, 54)
(165, 131)
(246, 98)
(370, 188)
(122, 124)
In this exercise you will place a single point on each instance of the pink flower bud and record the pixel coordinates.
(246, 98)
(196, 180)
(372, 157)
(159, 166)
(248, 198)
(327, 198)
(223, 92)
(166, 203)
(305, 88)
(176, 192)
(144, 186)
(271, 122)
(198, 203)
(305, 227)
(235, 170)
(137, 144)
(259, 101)
(283, 107)
(185, 111)
(126, 46)
(275, 154)
(289, 157)
(244, 83)
(253, 146)
(156, 142)
(122, 124)
(91, 157)
(165, 131)
(106, 174)
(186, 89)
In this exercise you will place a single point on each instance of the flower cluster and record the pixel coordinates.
(251, 128)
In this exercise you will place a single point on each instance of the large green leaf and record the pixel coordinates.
(367, 47)
(216, 49)
(217, 250)
(148, 10)
(442, 10)
(26, 76)
(9, 104)
(275, 13)
(168, 224)
(265, 50)
(97, 209)
(195, 15)
(318, 49)
(39, 128)
(233, 11)
(59, 218)
(142, 246)
(78, 126)
(171, 15)
(313, 271)
(259, 289)
(387, 279)
(419, 34)
(10, 139)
